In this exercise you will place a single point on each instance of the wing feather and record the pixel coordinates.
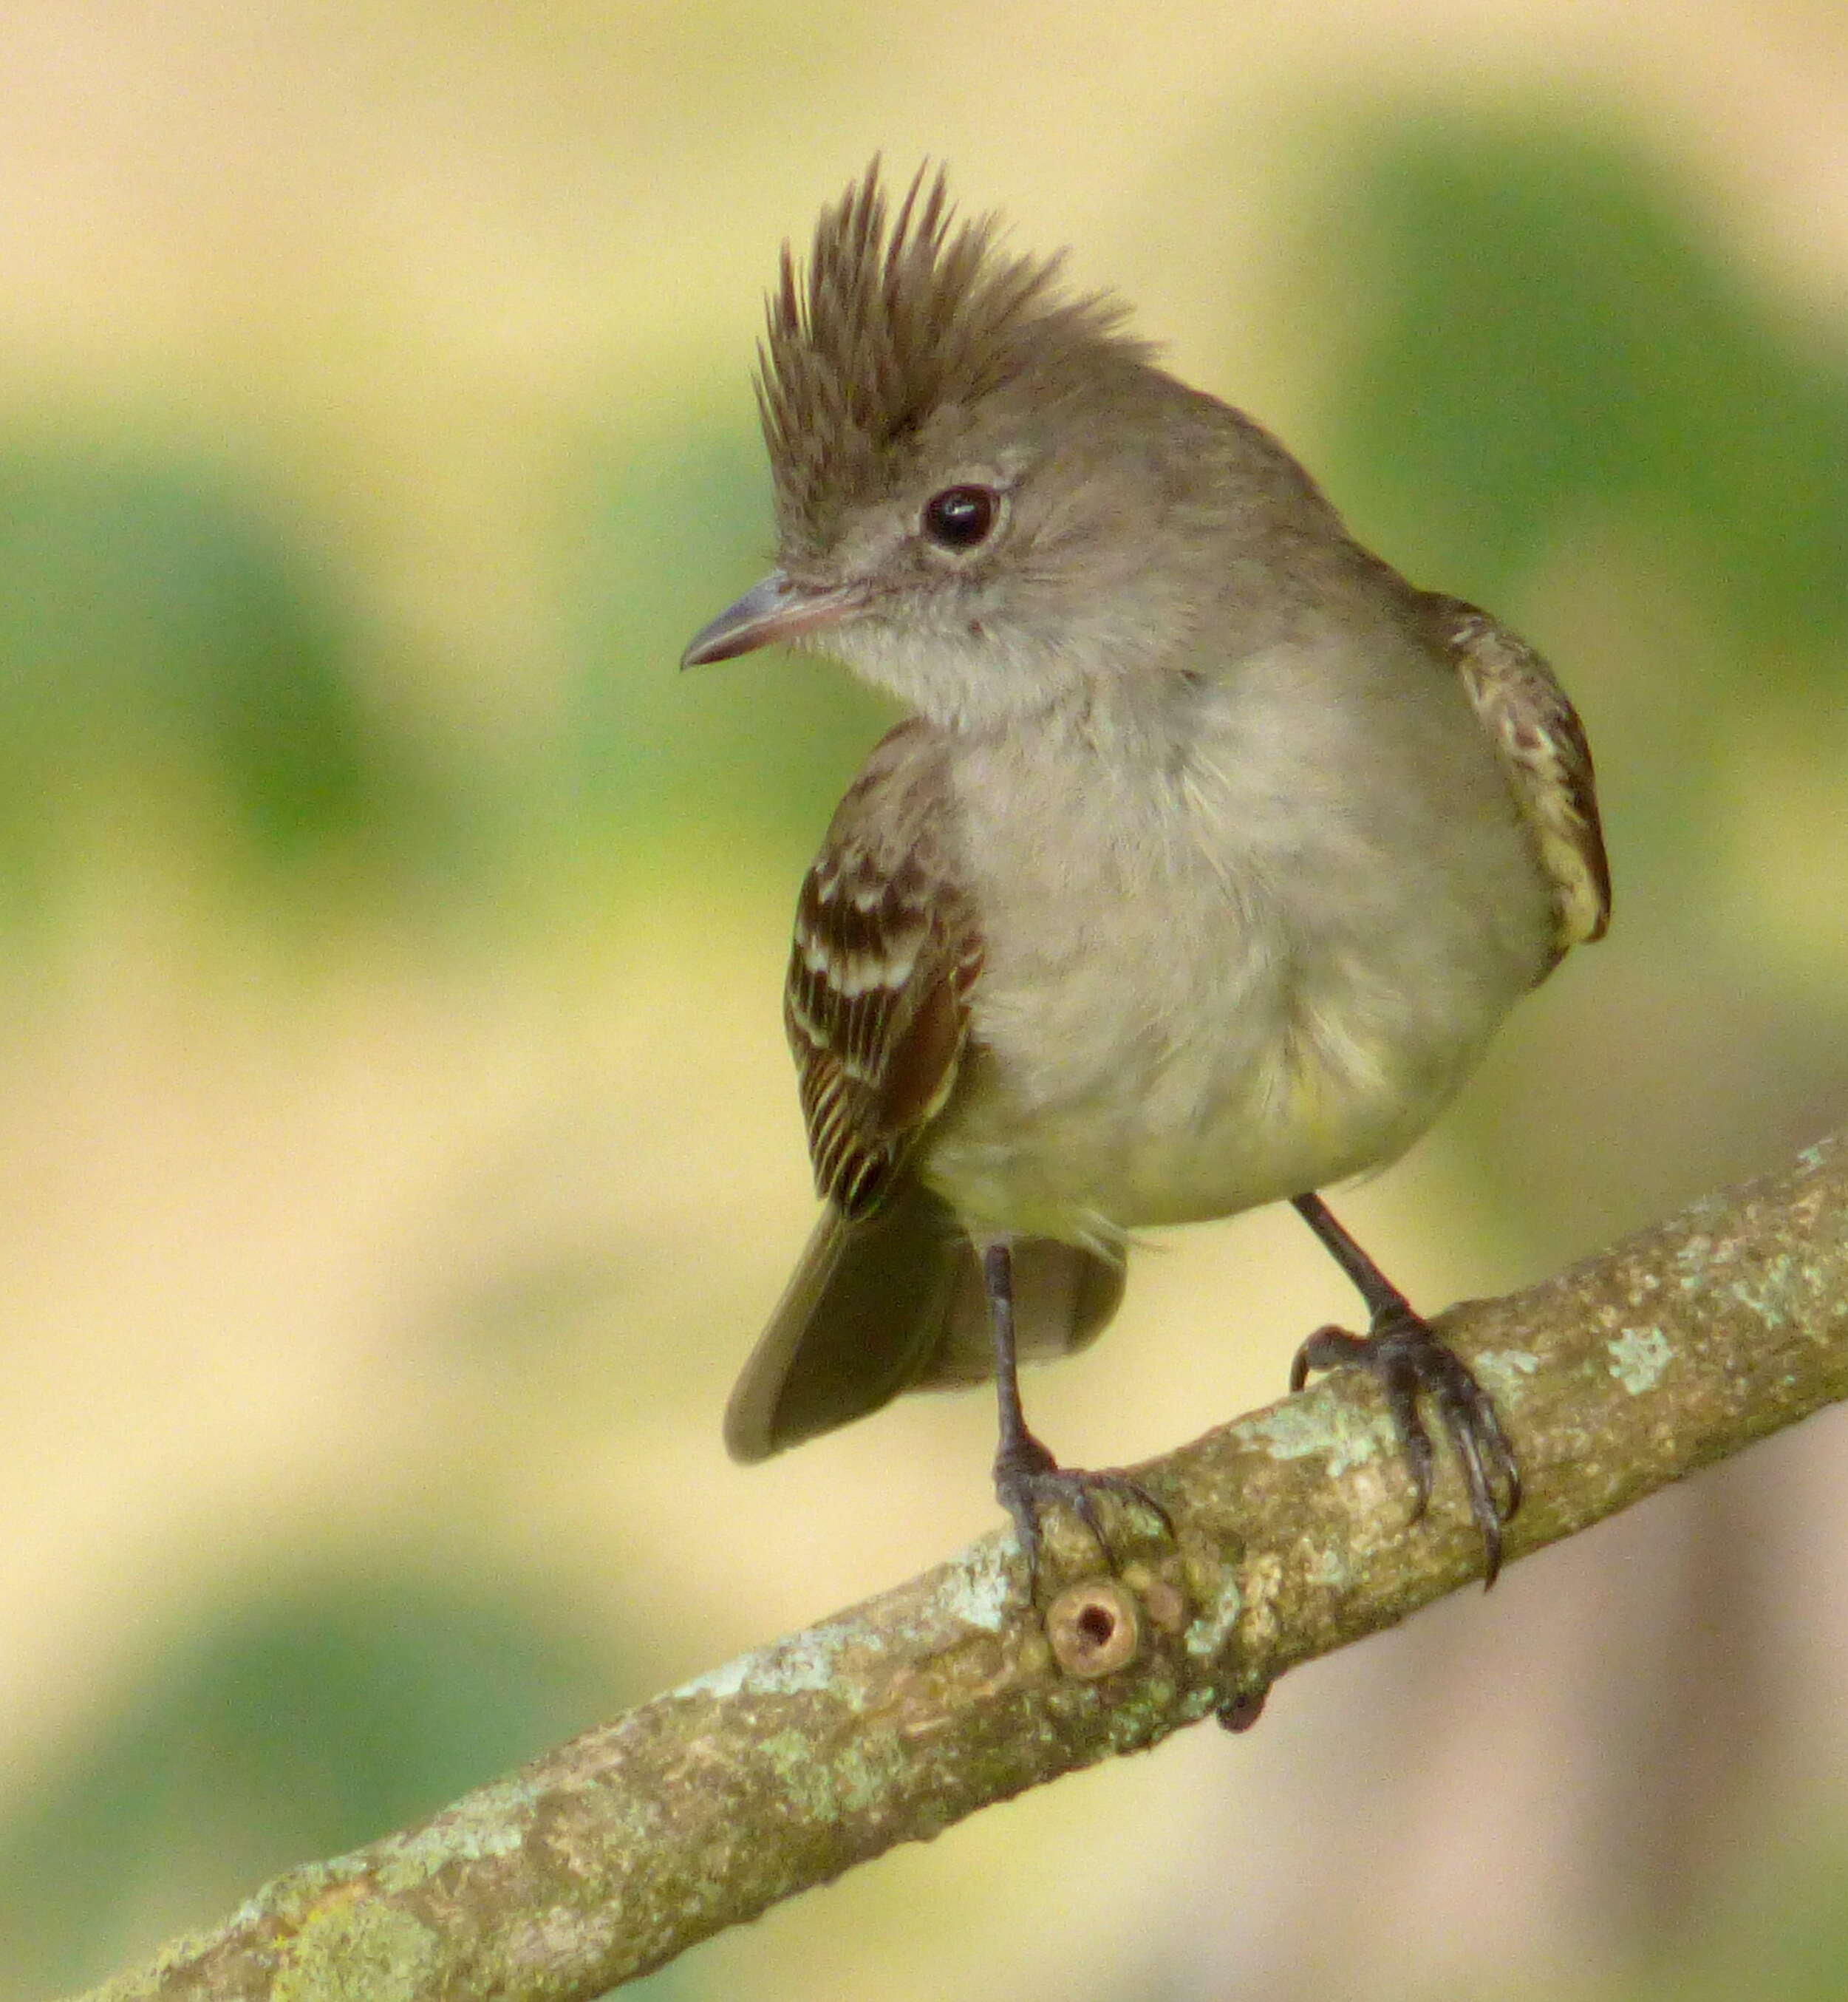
(884, 953)
(1541, 745)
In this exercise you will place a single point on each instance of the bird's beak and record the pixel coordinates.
(769, 614)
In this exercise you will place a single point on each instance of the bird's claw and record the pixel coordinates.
(1411, 1363)
(1028, 1480)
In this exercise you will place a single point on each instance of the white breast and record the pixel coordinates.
(1253, 959)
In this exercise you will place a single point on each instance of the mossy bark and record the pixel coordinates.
(616, 1852)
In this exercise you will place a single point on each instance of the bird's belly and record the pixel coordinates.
(1270, 982)
(1259, 1083)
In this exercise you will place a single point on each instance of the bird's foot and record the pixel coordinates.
(1028, 1480)
(1410, 1362)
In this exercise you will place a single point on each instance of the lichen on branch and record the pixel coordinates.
(607, 1857)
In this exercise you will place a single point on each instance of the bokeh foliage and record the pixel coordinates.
(294, 1722)
(165, 650)
(677, 524)
(1553, 347)
(1551, 333)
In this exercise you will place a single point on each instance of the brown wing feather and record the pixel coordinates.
(1541, 743)
(885, 950)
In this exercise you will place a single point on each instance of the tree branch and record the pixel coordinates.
(612, 1854)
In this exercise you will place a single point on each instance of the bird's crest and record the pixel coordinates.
(893, 320)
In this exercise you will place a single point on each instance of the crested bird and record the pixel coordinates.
(1208, 859)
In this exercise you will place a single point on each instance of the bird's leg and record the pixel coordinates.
(1409, 1360)
(1027, 1478)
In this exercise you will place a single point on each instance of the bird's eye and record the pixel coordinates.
(961, 517)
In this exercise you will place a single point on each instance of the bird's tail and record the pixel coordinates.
(894, 1301)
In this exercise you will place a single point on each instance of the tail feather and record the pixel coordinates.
(894, 1301)
(1065, 1297)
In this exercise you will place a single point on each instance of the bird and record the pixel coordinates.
(1208, 858)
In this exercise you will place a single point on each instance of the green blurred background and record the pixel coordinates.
(398, 1147)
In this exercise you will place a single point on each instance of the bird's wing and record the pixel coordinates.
(1541, 742)
(889, 1295)
(886, 949)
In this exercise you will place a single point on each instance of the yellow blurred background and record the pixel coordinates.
(399, 1146)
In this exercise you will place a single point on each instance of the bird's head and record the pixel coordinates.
(985, 489)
